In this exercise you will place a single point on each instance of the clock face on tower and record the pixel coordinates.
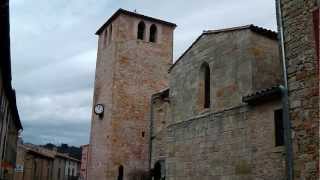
(99, 109)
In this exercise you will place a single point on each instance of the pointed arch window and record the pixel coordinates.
(205, 85)
(141, 30)
(153, 33)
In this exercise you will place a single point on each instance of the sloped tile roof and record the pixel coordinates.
(263, 95)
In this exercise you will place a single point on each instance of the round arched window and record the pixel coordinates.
(141, 30)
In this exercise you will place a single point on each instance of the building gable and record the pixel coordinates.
(261, 31)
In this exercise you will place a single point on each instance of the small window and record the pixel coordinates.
(279, 130)
(120, 173)
(141, 30)
(205, 85)
(153, 33)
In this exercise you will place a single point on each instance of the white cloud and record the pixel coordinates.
(60, 107)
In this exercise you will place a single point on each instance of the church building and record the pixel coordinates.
(216, 113)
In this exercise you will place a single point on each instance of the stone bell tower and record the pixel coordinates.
(134, 55)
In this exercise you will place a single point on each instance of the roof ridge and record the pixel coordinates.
(227, 29)
(249, 26)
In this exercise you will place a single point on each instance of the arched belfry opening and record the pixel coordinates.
(120, 172)
(153, 33)
(205, 85)
(141, 30)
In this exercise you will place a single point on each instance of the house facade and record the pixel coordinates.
(38, 163)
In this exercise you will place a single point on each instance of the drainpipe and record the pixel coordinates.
(285, 97)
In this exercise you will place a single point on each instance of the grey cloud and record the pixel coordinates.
(69, 75)
(61, 107)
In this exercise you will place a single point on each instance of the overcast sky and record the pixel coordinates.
(54, 53)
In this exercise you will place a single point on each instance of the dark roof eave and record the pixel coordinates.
(68, 157)
(266, 32)
(31, 151)
(123, 11)
(162, 94)
(262, 96)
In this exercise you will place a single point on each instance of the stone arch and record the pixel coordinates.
(153, 33)
(141, 30)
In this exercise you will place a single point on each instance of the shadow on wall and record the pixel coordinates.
(140, 175)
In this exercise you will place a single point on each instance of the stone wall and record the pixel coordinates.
(102, 94)
(232, 144)
(241, 63)
(266, 63)
(84, 162)
(159, 120)
(303, 78)
(229, 140)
